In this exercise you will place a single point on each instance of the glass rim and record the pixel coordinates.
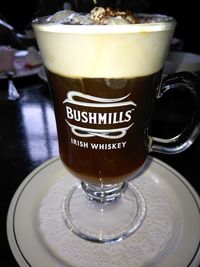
(166, 23)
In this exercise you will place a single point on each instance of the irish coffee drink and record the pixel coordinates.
(104, 71)
(112, 73)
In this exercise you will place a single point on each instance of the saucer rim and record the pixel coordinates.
(11, 234)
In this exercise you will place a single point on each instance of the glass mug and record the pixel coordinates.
(104, 81)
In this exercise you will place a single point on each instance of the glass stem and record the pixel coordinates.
(103, 193)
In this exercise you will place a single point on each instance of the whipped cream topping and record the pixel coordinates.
(96, 50)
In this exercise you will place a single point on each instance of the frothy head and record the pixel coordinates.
(105, 51)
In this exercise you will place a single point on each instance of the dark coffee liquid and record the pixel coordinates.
(103, 142)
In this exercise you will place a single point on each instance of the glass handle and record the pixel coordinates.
(185, 139)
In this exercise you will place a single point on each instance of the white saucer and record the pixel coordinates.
(30, 249)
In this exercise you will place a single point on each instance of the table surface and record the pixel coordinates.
(28, 138)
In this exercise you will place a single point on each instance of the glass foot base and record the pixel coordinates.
(107, 221)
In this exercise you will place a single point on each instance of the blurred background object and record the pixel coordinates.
(8, 36)
(178, 61)
(6, 58)
(177, 44)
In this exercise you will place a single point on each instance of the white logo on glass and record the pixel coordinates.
(98, 118)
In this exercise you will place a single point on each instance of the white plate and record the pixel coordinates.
(25, 72)
(20, 68)
(30, 248)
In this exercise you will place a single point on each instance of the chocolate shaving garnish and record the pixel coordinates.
(103, 15)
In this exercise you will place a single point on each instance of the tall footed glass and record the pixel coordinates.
(104, 80)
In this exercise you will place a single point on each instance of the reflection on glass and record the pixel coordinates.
(40, 130)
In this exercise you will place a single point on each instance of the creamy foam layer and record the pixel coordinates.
(99, 51)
